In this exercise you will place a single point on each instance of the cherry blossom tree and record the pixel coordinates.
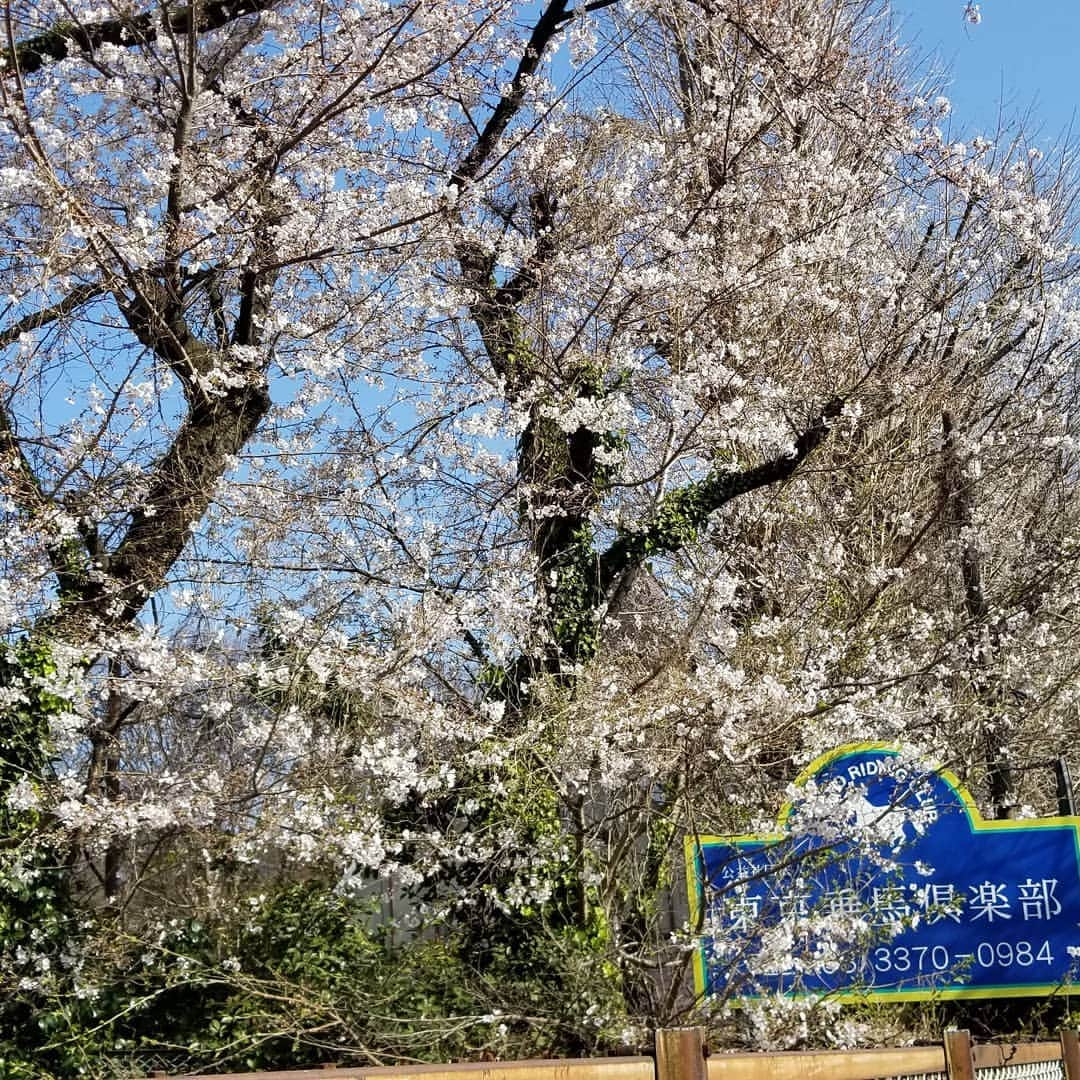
(455, 450)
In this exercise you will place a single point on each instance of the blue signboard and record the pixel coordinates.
(884, 882)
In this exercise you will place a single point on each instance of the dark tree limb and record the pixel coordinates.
(494, 309)
(75, 299)
(75, 39)
(983, 636)
(216, 429)
(220, 422)
(155, 316)
(681, 515)
(545, 28)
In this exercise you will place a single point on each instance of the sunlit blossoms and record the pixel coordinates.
(451, 451)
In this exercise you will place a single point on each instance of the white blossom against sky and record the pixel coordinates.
(1021, 54)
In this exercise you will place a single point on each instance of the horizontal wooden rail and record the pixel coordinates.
(680, 1055)
(828, 1064)
(994, 1055)
(624, 1068)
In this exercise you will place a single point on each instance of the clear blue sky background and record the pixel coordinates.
(1024, 55)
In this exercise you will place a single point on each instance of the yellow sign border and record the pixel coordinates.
(693, 846)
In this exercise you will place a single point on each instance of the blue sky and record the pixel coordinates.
(1024, 54)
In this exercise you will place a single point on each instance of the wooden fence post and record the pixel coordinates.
(1070, 1053)
(680, 1054)
(959, 1062)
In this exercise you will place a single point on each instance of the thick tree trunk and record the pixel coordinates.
(982, 634)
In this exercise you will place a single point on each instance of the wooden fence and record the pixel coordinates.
(681, 1054)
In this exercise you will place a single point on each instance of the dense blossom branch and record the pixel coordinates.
(67, 554)
(71, 38)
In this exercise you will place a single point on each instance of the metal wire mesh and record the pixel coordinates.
(1034, 1070)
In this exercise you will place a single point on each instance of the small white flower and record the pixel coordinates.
(22, 796)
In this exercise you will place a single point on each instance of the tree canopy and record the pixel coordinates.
(453, 449)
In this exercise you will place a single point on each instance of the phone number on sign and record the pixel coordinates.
(902, 959)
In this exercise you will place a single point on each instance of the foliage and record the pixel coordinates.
(294, 979)
(39, 927)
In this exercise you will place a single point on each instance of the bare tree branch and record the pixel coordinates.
(78, 296)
